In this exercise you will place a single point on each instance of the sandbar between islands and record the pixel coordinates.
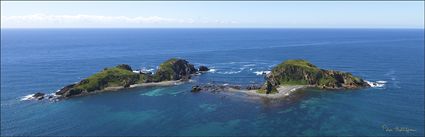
(283, 91)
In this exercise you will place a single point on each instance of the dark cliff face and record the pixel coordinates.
(301, 72)
(338, 79)
(203, 68)
(174, 69)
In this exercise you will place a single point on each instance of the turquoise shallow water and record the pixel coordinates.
(46, 59)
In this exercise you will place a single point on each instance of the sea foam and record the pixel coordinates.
(230, 72)
(51, 97)
(212, 70)
(27, 97)
(144, 70)
(262, 72)
(249, 65)
(377, 84)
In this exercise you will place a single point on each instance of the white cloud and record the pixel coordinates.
(43, 20)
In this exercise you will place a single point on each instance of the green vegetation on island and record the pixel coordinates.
(109, 77)
(302, 72)
(123, 76)
(174, 69)
(119, 76)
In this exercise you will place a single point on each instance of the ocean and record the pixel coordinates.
(45, 60)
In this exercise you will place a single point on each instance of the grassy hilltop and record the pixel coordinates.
(302, 72)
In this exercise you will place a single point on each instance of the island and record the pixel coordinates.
(170, 72)
(282, 80)
(302, 72)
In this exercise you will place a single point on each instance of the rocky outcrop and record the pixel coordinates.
(196, 89)
(302, 72)
(38, 96)
(203, 68)
(221, 87)
(125, 66)
(65, 89)
(174, 69)
(270, 88)
(213, 88)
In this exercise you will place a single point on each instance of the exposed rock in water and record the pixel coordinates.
(220, 87)
(203, 68)
(253, 87)
(174, 69)
(38, 96)
(196, 89)
(65, 89)
(208, 88)
(302, 72)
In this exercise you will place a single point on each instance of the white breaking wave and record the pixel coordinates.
(377, 84)
(51, 97)
(262, 72)
(381, 81)
(230, 72)
(233, 72)
(212, 70)
(249, 65)
(144, 70)
(27, 97)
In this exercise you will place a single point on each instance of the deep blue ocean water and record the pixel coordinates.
(47, 59)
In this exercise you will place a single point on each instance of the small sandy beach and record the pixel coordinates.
(151, 84)
(163, 83)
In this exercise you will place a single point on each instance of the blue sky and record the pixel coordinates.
(304, 14)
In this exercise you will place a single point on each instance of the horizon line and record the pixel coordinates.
(212, 27)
